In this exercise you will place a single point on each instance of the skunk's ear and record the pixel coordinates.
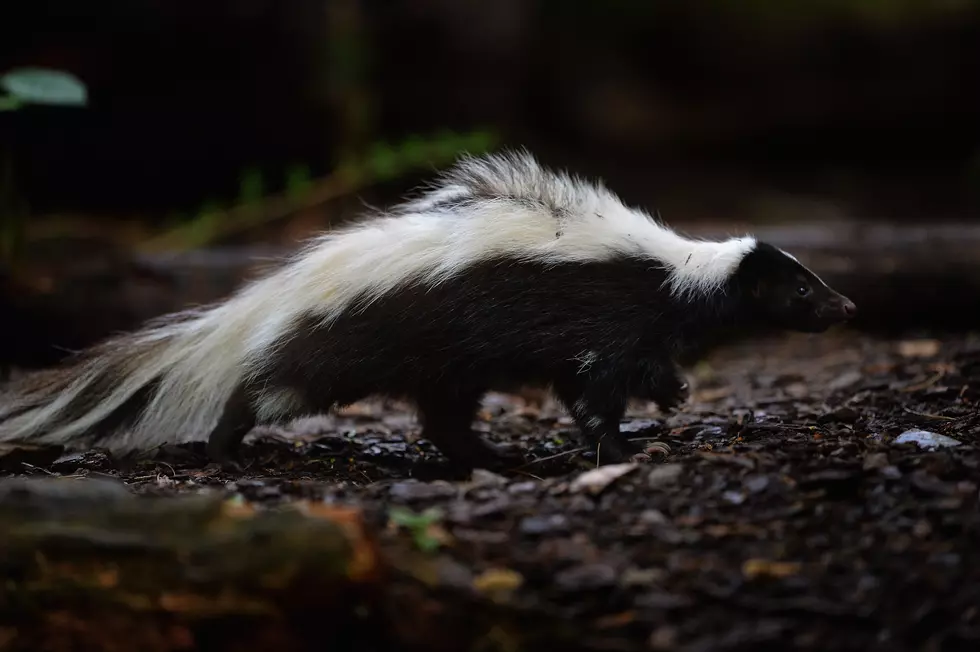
(759, 288)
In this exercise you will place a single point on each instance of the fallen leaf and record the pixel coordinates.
(926, 439)
(596, 480)
(498, 583)
(767, 568)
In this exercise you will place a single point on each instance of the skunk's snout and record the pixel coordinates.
(840, 307)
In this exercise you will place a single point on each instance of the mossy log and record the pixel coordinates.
(88, 565)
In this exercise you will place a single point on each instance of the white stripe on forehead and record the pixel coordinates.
(796, 260)
(788, 255)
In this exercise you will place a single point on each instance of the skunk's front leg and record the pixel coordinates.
(662, 383)
(597, 404)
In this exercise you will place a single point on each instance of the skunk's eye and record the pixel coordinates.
(802, 290)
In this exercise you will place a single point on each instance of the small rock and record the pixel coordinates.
(664, 475)
(585, 578)
(652, 517)
(875, 461)
(734, 497)
(891, 472)
(484, 478)
(596, 480)
(522, 487)
(756, 483)
(926, 439)
(543, 524)
(410, 490)
(845, 380)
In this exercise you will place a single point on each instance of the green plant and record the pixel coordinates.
(381, 162)
(418, 525)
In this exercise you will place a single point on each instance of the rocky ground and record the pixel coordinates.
(780, 509)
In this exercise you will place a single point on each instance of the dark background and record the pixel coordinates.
(757, 111)
(872, 103)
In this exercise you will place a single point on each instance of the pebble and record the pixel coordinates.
(757, 483)
(586, 577)
(652, 517)
(663, 475)
(543, 524)
(734, 497)
(875, 461)
(415, 490)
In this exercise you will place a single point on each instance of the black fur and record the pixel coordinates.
(598, 333)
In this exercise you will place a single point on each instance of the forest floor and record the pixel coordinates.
(784, 516)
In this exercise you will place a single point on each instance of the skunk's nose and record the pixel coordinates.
(848, 308)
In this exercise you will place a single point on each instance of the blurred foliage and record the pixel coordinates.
(381, 162)
(421, 526)
(24, 87)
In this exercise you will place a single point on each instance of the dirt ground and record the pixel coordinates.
(782, 513)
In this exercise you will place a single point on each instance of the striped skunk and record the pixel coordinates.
(502, 274)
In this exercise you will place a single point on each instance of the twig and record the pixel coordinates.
(530, 475)
(930, 416)
(36, 468)
(924, 384)
(551, 457)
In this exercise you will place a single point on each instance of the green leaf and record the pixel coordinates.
(45, 86)
(418, 525)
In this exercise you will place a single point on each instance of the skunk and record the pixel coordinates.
(501, 274)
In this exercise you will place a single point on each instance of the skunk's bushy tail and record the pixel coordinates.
(164, 383)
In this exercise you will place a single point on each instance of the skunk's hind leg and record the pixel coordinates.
(447, 422)
(237, 419)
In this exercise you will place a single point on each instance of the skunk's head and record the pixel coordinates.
(785, 294)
